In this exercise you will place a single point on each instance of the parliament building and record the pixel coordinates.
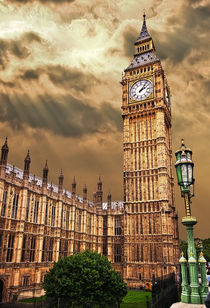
(40, 221)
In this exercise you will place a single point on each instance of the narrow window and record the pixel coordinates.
(137, 224)
(79, 222)
(26, 281)
(4, 203)
(105, 225)
(105, 249)
(141, 224)
(32, 249)
(43, 249)
(155, 253)
(46, 214)
(10, 248)
(50, 251)
(15, 205)
(67, 219)
(23, 249)
(36, 210)
(142, 253)
(89, 223)
(27, 206)
(53, 216)
(137, 252)
(118, 229)
(117, 253)
(62, 217)
(150, 248)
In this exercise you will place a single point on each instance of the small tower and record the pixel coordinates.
(45, 174)
(4, 153)
(99, 193)
(74, 186)
(27, 163)
(109, 200)
(85, 193)
(60, 182)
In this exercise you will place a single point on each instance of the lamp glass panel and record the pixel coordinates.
(189, 156)
(184, 173)
(190, 174)
(179, 174)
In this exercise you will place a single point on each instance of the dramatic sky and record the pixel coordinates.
(60, 96)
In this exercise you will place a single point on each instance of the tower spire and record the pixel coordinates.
(144, 34)
(4, 153)
(27, 162)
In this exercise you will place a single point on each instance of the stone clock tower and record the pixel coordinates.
(150, 221)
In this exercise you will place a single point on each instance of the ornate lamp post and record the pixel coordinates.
(192, 292)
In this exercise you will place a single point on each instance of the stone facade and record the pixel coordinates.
(150, 221)
(40, 221)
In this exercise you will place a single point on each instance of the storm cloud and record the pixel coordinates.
(64, 115)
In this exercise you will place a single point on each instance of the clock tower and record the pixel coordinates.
(150, 221)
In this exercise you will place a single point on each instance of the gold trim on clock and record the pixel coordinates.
(140, 90)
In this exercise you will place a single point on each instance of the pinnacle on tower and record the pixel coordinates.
(27, 162)
(85, 192)
(99, 184)
(4, 153)
(60, 180)
(45, 172)
(109, 199)
(61, 175)
(144, 34)
(74, 185)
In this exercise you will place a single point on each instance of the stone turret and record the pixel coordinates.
(85, 193)
(45, 174)
(4, 153)
(27, 163)
(60, 182)
(99, 193)
(74, 187)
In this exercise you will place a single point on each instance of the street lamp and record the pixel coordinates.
(184, 170)
(192, 292)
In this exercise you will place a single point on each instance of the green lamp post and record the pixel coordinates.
(192, 292)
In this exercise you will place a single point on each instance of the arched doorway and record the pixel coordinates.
(1, 290)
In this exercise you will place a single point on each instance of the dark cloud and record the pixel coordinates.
(129, 37)
(63, 77)
(185, 31)
(18, 48)
(62, 115)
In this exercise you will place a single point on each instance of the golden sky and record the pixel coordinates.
(60, 96)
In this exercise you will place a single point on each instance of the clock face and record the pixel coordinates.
(141, 89)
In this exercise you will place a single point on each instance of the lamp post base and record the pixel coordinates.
(183, 305)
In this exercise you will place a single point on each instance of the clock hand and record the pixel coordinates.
(142, 88)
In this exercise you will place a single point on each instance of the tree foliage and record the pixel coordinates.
(85, 279)
(206, 248)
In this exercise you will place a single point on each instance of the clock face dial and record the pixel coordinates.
(141, 89)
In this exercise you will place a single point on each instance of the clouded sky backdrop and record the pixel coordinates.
(60, 96)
